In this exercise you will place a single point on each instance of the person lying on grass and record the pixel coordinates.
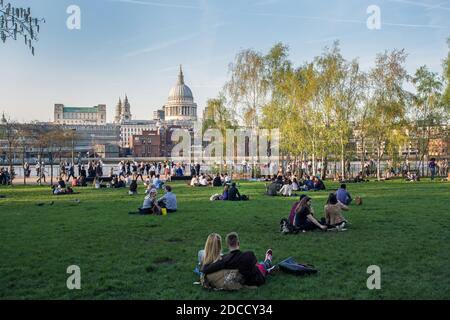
(58, 190)
(254, 273)
(222, 197)
(304, 218)
(333, 213)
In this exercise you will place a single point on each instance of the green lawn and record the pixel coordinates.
(402, 227)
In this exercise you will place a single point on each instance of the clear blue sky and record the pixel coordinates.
(135, 46)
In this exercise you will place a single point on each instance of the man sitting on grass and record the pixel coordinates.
(233, 193)
(343, 196)
(217, 182)
(168, 201)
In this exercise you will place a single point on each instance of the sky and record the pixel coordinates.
(135, 47)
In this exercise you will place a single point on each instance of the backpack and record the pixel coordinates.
(358, 201)
(293, 267)
(228, 280)
(286, 227)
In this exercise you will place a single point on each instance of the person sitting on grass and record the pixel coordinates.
(333, 213)
(212, 251)
(233, 193)
(133, 187)
(295, 186)
(308, 184)
(168, 201)
(286, 190)
(343, 196)
(304, 218)
(61, 183)
(254, 273)
(274, 188)
(157, 182)
(294, 208)
(318, 184)
(150, 205)
(224, 196)
(98, 184)
(217, 182)
(203, 182)
(194, 182)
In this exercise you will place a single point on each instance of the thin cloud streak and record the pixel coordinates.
(429, 26)
(156, 4)
(163, 45)
(423, 5)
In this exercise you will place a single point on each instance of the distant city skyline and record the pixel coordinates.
(135, 47)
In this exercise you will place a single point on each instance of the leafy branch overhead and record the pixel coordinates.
(16, 22)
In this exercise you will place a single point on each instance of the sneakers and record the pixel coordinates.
(268, 255)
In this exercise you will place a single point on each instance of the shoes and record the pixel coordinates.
(273, 269)
(268, 255)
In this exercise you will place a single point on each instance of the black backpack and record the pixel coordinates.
(293, 267)
(286, 227)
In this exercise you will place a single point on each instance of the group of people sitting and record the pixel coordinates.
(152, 205)
(204, 180)
(211, 261)
(286, 186)
(5, 176)
(302, 217)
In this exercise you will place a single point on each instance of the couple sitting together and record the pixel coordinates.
(243, 265)
(167, 203)
(230, 193)
(302, 215)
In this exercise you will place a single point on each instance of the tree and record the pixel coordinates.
(427, 110)
(9, 133)
(16, 22)
(248, 86)
(387, 107)
(446, 95)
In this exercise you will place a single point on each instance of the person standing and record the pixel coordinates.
(432, 166)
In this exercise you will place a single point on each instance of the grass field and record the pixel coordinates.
(403, 228)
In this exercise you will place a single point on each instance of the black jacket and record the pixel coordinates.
(245, 262)
(233, 194)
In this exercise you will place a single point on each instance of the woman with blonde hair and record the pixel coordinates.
(212, 252)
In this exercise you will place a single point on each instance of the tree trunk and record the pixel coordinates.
(23, 167)
(51, 168)
(363, 157)
(324, 168)
(378, 163)
(343, 159)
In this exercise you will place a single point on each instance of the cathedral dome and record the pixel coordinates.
(181, 92)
